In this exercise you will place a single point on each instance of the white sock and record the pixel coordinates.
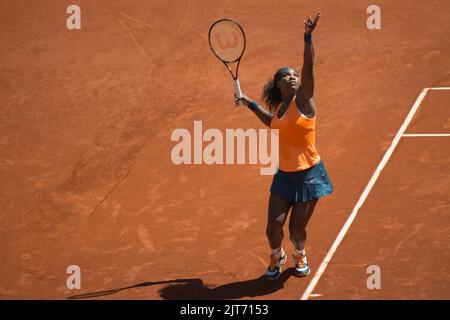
(277, 251)
(301, 252)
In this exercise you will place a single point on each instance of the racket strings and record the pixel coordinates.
(227, 41)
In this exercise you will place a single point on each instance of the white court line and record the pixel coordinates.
(364, 195)
(439, 88)
(426, 135)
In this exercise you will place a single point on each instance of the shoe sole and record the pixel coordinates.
(301, 275)
(283, 261)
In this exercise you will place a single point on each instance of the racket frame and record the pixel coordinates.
(236, 84)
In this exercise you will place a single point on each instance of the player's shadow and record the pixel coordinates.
(195, 289)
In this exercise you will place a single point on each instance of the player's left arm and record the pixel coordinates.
(306, 89)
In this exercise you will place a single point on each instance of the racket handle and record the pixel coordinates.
(237, 89)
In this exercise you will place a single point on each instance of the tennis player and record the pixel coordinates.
(301, 179)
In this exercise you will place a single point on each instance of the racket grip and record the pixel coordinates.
(237, 89)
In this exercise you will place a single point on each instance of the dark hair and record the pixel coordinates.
(271, 93)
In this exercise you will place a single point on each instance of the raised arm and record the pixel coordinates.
(306, 89)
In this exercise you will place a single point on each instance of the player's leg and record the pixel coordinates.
(300, 216)
(277, 214)
(301, 213)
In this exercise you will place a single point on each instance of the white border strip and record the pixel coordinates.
(426, 135)
(439, 88)
(363, 196)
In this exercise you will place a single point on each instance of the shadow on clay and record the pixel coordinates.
(195, 289)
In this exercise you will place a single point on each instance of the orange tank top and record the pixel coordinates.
(297, 150)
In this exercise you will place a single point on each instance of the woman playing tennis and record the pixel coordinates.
(301, 178)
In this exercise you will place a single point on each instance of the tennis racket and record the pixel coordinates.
(227, 42)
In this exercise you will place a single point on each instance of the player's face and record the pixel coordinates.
(289, 81)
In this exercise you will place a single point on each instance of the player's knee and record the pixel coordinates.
(297, 235)
(273, 229)
(274, 224)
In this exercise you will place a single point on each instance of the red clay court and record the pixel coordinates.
(87, 178)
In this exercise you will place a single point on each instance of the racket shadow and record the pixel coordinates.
(195, 289)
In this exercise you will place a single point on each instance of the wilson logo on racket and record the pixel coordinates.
(227, 40)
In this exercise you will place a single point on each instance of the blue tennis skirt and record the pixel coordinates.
(300, 186)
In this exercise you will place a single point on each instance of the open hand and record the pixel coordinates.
(310, 25)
